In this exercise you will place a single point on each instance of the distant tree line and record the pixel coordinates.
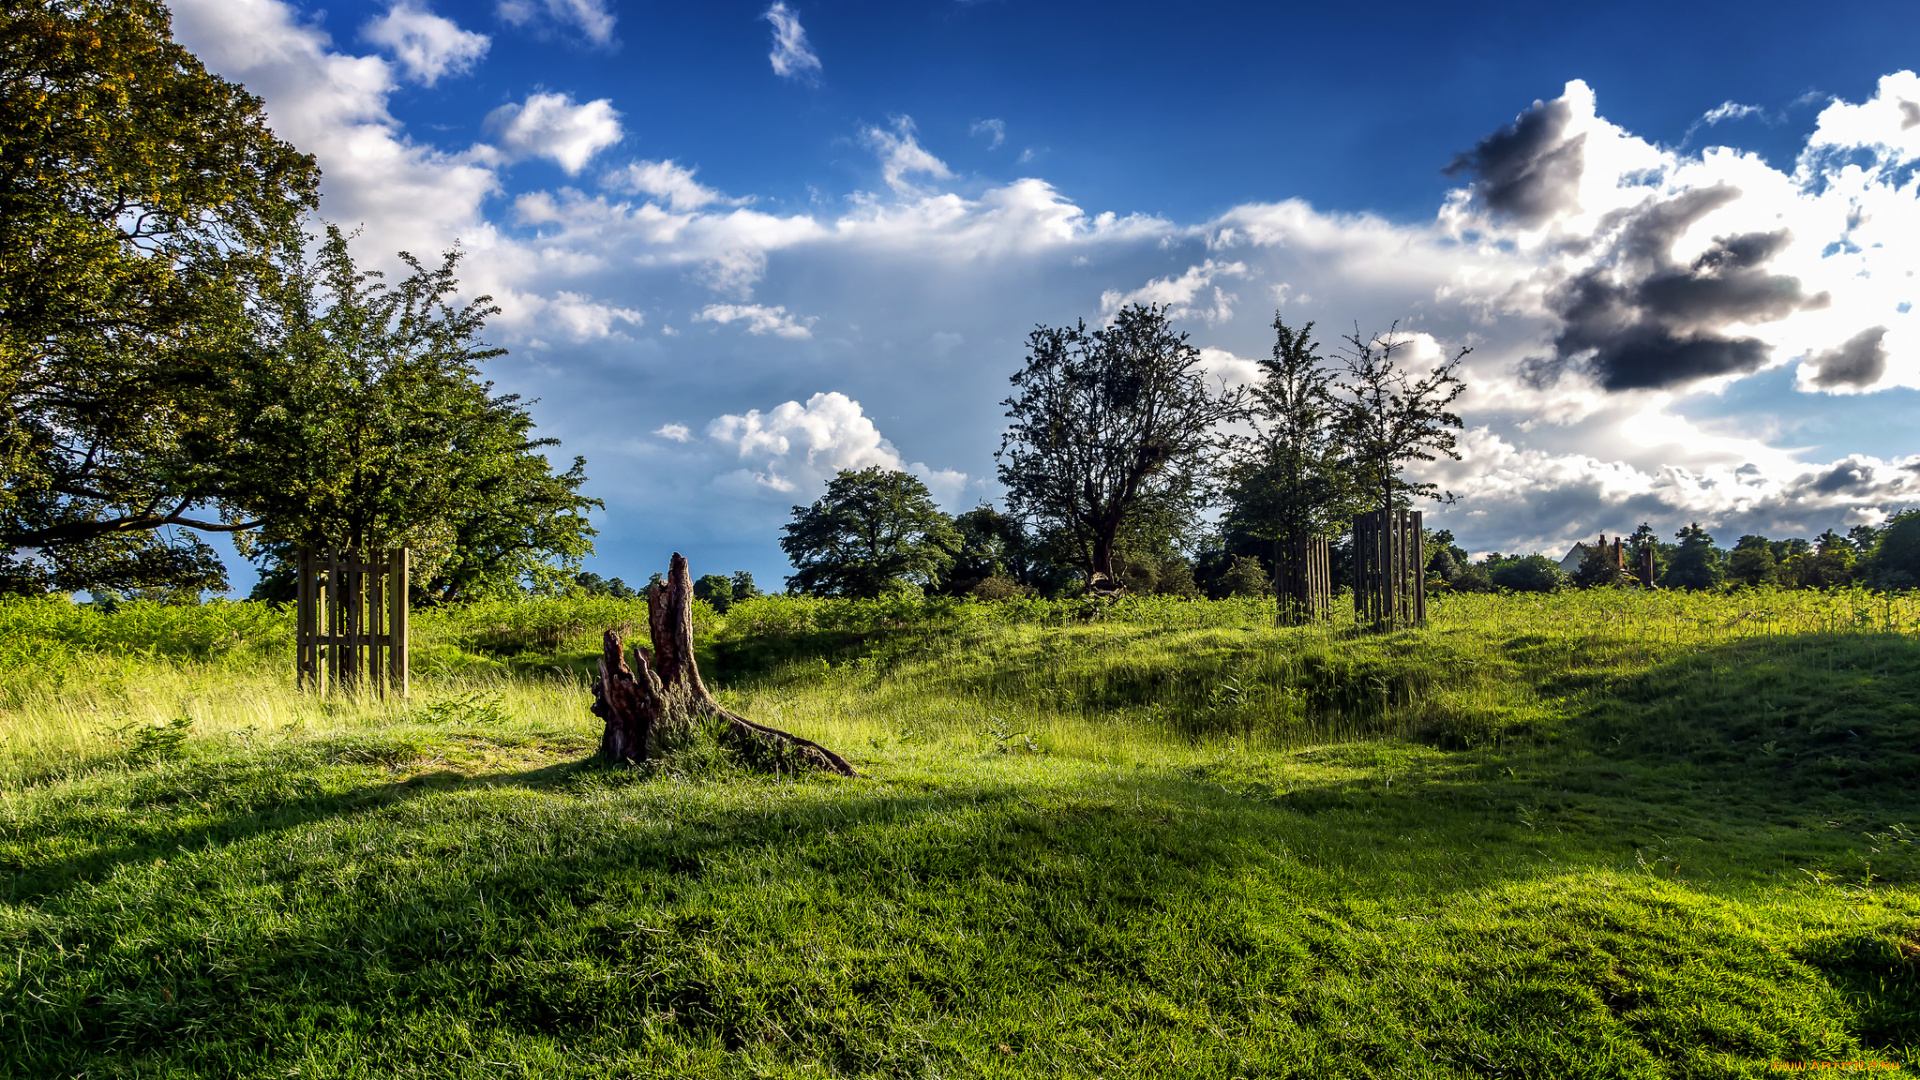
(1879, 557)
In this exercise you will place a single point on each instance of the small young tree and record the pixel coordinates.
(366, 425)
(1105, 422)
(1286, 483)
(1385, 417)
(875, 531)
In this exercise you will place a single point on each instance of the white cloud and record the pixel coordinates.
(795, 448)
(589, 18)
(901, 155)
(1178, 294)
(1225, 368)
(760, 320)
(792, 56)
(995, 130)
(405, 194)
(425, 44)
(551, 126)
(675, 432)
(666, 180)
(905, 275)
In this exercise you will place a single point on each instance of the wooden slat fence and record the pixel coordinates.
(1389, 575)
(350, 622)
(1302, 580)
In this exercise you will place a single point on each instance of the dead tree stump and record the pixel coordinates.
(662, 694)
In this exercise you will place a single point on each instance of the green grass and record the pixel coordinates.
(1594, 835)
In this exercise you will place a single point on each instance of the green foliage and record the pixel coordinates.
(1752, 562)
(372, 428)
(1531, 573)
(715, 589)
(1695, 563)
(145, 208)
(1384, 417)
(1108, 424)
(1287, 481)
(1246, 577)
(874, 532)
(1610, 833)
(1895, 563)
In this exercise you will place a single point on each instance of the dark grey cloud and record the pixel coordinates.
(1846, 476)
(1859, 362)
(1638, 319)
(1529, 170)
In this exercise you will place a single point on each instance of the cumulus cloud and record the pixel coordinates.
(1860, 361)
(792, 56)
(1528, 171)
(795, 448)
(1663, 270)
(405, 194)
(1545, 501)
(665, 180)
(1179, 294)
(1642, 319)
(760, 320)
(552, 126)
(901, 155)
(1569, 240)
(425, 44)
(590, 19)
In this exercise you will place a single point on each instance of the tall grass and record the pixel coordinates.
(78, 687)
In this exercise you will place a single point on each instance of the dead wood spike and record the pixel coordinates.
(643, 703)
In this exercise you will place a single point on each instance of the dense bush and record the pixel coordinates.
(1534, 573)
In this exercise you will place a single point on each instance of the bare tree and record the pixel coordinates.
(1385, 417)
(1106, 423)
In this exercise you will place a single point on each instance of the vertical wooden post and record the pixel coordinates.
(398, 588)
(303, 620)
(333, 619)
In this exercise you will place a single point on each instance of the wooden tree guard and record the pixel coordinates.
(662, 694)
(1302, 581)
(350, 622)
(1389, 575)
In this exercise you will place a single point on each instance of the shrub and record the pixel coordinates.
(1535, 573)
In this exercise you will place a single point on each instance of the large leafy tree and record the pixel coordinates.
(144, 206)
(367, 426)
(875, 531)
(1106, 425)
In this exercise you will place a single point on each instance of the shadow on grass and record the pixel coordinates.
(816, 920)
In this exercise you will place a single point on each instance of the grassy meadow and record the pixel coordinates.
(1594, 834)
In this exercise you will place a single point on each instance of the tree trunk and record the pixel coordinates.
(663, 692)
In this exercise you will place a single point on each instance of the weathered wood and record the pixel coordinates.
(351, 622)
(1389, 586)
(1302, 581)
(663, 690)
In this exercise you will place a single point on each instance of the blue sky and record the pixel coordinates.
(741, 245)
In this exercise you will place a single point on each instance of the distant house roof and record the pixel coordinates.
(1574, 558)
